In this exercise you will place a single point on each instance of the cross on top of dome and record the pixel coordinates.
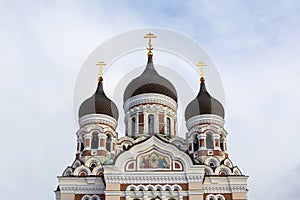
(101, 64)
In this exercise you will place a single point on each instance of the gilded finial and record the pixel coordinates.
(101, 64)
(150, 36)
(201, 65)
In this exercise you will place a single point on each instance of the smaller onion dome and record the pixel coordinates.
(99, 103)
(204, 104)
(150, 82)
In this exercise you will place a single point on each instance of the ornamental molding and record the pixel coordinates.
(146, 179)
(82, 189)
(205, 119)
(226, 189)
(98, 119)
(150, 98)
(153, 179)
(195, 178)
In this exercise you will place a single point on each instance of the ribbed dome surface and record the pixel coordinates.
(150, 82)
(204, 104)
(99, 103)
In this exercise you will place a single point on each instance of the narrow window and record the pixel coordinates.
(151, 124)
(133, 126)
(108, 142)
(95, 141)
(196, 143)
(81, 146)
(209, 141)
(222, 143)
(168, 126)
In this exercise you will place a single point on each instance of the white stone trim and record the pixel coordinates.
(225, 189)
(204, 119)
(82, 189)
(150, 98)
(98, 119)
(159, 179)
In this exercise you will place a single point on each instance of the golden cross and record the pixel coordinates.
(101, 64)
(150, 36)
(201, 65)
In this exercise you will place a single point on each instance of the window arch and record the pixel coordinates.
(168, 126)
(133, 122)
(151, 124)
(95, 141)
(108, 142)
(209, 141)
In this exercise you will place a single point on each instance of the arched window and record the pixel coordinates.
(133, 122)
(151, 124)
(209, 141)
(168, 126)
(196, 143)
(95, 141)
(108, 142)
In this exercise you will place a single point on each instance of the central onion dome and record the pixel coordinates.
(204, 104)
(150, 82)
(99, 103)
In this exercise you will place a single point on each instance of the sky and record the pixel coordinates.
(255, 46)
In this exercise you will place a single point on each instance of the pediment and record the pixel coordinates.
(153, 154)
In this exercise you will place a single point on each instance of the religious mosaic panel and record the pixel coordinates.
(154, 160)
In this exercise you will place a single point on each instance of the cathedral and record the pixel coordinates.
(151, 162)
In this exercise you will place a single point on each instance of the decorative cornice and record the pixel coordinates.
(146, 179)
(150, 98)
(226, 189)
(82, 189)
(153, 179)
(195, 178)
(205, 119)
(98, 119)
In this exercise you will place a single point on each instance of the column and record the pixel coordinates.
(136, 123)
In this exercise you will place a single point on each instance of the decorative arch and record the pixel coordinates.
(210, 197)
(82, 169)
(237, 171)
(68, 171)
(89, 197)
(212, 160)
(223, 170)
(91, 160)
(97, 170)
(228, 163)
(76, 163)
(86, 197)
(208, 171)
(220, 197)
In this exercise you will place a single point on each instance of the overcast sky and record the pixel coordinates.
(254, 45)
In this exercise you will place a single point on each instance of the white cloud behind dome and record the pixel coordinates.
(254, 45)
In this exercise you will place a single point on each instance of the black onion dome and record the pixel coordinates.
(150, 82)
(204, 104)
(99, 103)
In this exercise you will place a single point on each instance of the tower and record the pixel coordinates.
(151, 161)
